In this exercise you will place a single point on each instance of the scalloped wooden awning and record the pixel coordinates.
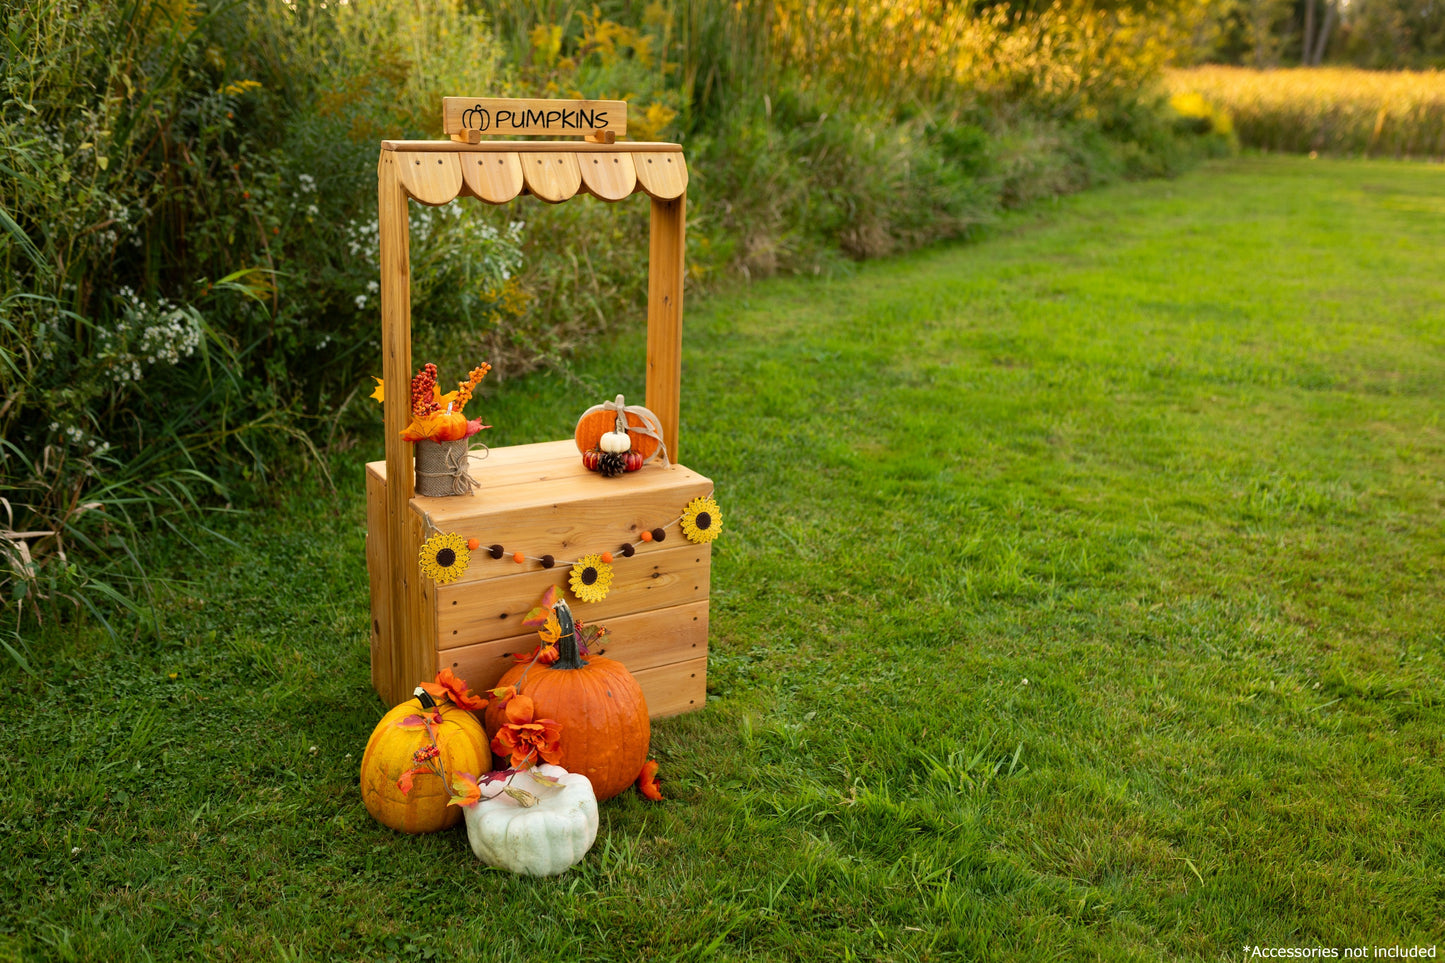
(436, 172)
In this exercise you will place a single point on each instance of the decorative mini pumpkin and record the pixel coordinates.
(614, 422)
(544, 832)
(390, 752)
(448, 425)
(605, 727)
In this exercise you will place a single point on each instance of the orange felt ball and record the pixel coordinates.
(519, 558)
(606, 558)
(646, 536)
(474, 543)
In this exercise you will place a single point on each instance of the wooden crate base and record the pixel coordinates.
(539, 500)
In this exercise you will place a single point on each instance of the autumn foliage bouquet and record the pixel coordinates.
(436, 416)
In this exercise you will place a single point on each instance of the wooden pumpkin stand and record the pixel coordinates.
(537, 499)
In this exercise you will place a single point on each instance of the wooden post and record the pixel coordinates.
(665, 267)
(394, 230)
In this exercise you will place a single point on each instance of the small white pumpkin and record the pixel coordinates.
(543, 839)
(615, 441)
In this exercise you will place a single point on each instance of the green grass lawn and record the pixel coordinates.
(1080, 596)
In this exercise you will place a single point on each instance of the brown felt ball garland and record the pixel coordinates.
(626, 550)
(444, 559)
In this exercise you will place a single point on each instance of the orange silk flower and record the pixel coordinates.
(523, 737)
(448, 686)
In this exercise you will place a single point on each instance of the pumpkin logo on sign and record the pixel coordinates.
(476, 118)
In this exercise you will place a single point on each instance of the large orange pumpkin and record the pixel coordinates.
(389, 751)
(605, 727)
(600, 419)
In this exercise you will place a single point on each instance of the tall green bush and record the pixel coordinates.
(187, 197)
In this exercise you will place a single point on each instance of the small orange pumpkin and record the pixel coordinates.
(606, 730)
(464, 748)
(601, 419)
(442, 426)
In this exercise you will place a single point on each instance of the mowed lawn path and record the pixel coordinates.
(1079, 596)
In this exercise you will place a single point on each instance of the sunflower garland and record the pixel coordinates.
(444, 557)
(591, 578)
(701, 520)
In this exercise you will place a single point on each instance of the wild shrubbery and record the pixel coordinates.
(188, 214)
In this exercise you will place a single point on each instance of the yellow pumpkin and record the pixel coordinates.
(389, 753)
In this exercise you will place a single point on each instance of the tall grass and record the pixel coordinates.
(1336, 110)
(1065, 59)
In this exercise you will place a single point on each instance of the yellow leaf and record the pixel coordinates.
(380, 393)
(547, 42)
(524, 798)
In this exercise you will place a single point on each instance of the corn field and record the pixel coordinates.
(1327, 109)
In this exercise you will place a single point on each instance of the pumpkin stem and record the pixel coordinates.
(424, 697)
(621, 414)
(568, 656)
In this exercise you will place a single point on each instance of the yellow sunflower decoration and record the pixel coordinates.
(591, 578)
(701, 520)
(444, 557)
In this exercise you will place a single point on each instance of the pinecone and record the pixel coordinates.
(612, 463)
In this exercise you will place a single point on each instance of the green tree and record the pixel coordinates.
(1394, 34)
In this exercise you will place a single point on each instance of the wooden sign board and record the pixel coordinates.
(506, 117)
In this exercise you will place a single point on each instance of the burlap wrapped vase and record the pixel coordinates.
(441, 468)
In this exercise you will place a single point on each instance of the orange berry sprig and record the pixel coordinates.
(423, 392)
(474, 378)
